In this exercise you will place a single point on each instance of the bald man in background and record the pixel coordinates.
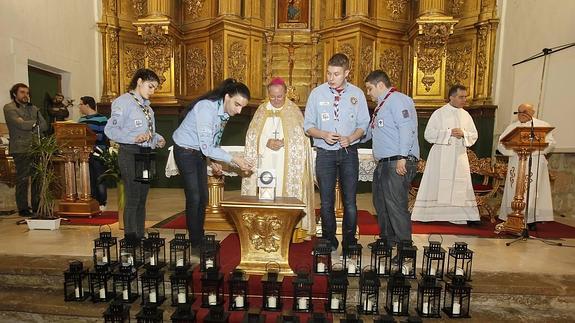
(540, 201)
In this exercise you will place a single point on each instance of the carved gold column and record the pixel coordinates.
(314, 61)
(486, 34)
(70, 174)
(269, 56)
(357, 8)
(432, 7)
(84, 155)
(215, 217)
(110, 30)
(229, 8)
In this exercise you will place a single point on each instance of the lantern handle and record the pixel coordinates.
(435, 234)
(340, 264)
(104, 225)
(152, 230)
(269, 264)
(367, 268)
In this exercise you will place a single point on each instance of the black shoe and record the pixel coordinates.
(26, 213)
(532, 226)
(473, 223)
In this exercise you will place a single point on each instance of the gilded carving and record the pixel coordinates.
(347, 49)
(133, 60)
(431, 50)
(396, 8)
(482, 56)
(263, 231)
(113, 6)
(194, 7)
(314, 60)
(218, 61)
(196, 62)
(456, 7)
(269, 56)
(114, 59)
(177, 66)
(158, 50)
(139, 7)
(237, 61)
(366, 62)
(458, 64)
(391, 62)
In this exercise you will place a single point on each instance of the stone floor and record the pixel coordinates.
(527, 281)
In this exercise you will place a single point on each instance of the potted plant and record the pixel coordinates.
(42, 152)
(110, 159)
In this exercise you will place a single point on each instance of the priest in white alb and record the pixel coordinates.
(276, 140)
(540, 202)
(446, 191)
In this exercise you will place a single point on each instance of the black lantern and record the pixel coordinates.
(433, 260)
(381, 257)
(145, 165)
(428, 297)
(238, 288)
(75, 282)
(287, 317)
(352, 259)
(384, 319)
(459, 261)
(154, 251)
(212, 288)
(126, 284)
(318, 318)
(272, 283)
(336, 290)
(131, 252)
(153, 288)
(321, 257)
(368, 292)
(117, 312)
(150, 314)
(217, 315)
(184, 314)
(209, 253)
(254, 315)
(407, 258)
(351, 318)
(182, 287)
(302, 285)
(456, 298)
(180, 252)
(105, 250)
(101, 289)
(397, 296)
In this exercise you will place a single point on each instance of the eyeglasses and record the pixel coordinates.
(276, 98)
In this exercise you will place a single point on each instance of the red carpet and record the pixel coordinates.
(368, 226)
(300, 254)
(107, 217)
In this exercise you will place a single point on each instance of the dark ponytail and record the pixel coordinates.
(229, 86)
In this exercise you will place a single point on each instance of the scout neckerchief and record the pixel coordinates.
(372, 123)
(223, 121)
(337, 93)
(147, 113)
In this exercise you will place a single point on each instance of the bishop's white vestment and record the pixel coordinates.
(540, 201)
(292, 162)
(446, 190)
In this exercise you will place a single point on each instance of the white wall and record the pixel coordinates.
(526, 27)
(57, 35)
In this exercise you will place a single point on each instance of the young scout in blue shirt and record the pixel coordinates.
(199, 137)
(393, 130)
(336, 116)
(132, 125)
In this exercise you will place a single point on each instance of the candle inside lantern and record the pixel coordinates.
(130, 260)
(125, 294)
(405, 269)
(209, 263)
(351, 268)
(320, 267)
(180, 262)
(432, 271)
(459, 271)
(181, 298)
(334, 304)
(77, 292)
(239, 301)
(302, 303)
(152, 297)
(272, 301)
(396, 307)
(152, 261)
(456, 308)
(145, 173)
(425, 308)
(368, 305)
(102, 293)
(104, 259)
(381, 268)
(212, 299)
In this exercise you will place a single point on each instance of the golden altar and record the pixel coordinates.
(265, 228)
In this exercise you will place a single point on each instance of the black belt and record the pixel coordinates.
(398, 157)
(192, 150)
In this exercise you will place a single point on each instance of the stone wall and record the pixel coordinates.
(562, 168)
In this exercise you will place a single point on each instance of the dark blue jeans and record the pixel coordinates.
(98, 188)
(136, 193)
(329, 166)
(193, 168)
(390, 196)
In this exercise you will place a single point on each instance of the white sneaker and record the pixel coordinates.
(102, 208)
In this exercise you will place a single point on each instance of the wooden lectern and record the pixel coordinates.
(519, 140)
(265, 229)
(76, 143)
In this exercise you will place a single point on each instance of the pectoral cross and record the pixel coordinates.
(276, 133)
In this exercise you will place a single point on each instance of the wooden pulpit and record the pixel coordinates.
(265, 228)
(76, 143)
(519, 140)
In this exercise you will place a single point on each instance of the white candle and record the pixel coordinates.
(102, 293)
(334, 303)
(181, 298)
(368, 305)
(130, 260)
(152, 261)
(302, 303)
(320, 267)
(459, 271)
(456, 308)
(180, 262)
(145, 173)
(212, 299)
(104, 259)
(272, 301)
(152, 297)
(125, 294)
(381, 268)
(405, 270)
(425, 308)
(432, 271)
(209, 263)
(351, 268)
(77, 292)
(396, 307)
(239, 301)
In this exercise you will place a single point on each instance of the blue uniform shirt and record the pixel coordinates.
(127, 121)
(202, 130)
(320, 113)
(395, 127)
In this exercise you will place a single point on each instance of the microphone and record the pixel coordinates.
(517, 112)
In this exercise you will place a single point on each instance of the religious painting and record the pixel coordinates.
(292, 14)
